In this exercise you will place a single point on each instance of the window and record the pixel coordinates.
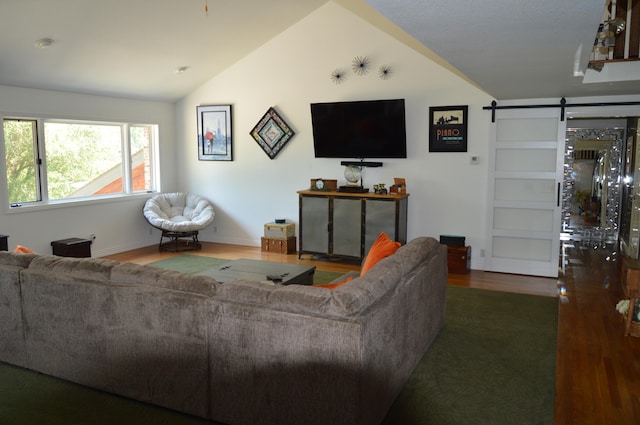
(57, 160)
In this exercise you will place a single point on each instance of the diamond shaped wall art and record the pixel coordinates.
(272, 133)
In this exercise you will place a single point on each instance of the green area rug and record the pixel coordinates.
(493, 363)
(187, 263)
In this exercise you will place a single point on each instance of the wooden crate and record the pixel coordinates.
(458, 259)
(282, 246)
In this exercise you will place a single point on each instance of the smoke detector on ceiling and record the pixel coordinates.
(44, 43)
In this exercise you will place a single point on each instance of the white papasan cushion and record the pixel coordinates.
(178, 212)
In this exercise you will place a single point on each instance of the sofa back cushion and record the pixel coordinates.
(292, 298)
(384, 277)
(85, 268)
(161, 278)
(346, 300)
(16, 259)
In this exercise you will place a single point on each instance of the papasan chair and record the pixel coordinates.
(180, 216)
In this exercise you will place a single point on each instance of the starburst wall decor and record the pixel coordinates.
(337, 76)
(360, 65)
(384, 72)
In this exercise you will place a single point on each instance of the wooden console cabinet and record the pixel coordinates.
(346, 224)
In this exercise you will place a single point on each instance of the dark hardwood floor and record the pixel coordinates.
(598, 369)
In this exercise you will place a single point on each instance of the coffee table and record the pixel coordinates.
(262, 271)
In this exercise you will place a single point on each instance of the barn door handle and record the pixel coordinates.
(558, 195)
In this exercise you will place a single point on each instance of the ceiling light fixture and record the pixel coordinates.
(182, 70)
(44, 43)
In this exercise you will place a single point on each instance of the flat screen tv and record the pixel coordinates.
(359, 129)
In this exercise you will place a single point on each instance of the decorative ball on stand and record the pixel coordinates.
(353, 173)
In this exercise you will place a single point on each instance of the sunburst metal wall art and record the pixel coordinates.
(338, 76)
(384, 72)
(361, 65)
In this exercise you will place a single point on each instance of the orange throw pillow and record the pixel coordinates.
(23, 250)
(381, 248)
(333, 286)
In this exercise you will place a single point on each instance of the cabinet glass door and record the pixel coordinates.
(314, 224)
(380, 218)
(347, 219)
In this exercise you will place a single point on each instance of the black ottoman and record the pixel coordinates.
(72, 247)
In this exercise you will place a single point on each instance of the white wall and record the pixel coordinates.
(118, 225)
(447, 193)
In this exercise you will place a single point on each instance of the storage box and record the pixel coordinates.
(279, 231)
(452, 240)
(459, 259)
(4, 246)
(282, 246)
(72, 247)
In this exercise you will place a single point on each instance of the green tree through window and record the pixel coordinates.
(19, 137)
(81, 159)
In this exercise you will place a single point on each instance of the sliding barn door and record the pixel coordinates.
(525, 183)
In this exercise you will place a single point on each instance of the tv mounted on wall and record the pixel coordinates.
(359, 129)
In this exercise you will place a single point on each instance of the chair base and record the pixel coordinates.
(179, 241)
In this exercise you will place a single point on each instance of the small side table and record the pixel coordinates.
(4, 246)
(630, 279)
(458, 259)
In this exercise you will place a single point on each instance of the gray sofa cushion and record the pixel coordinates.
(136, 340)
(347, 300)
(161, 278)
(94, 269)
(18, 260)
(360, 293)
(293, 298)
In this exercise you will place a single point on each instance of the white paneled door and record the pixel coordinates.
(525, 183)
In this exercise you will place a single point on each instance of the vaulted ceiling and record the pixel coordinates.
(132, 48)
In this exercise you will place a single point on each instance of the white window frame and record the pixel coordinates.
(41, 171)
